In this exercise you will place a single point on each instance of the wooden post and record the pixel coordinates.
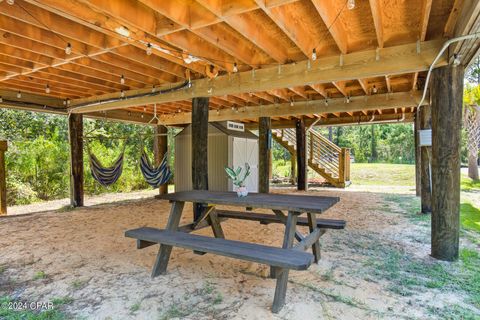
(264, 146)
(160, 148)
(446, 94)
(3, 178)
(418, 168)
(302, 179)
(293, 167)
(75, 130)
(425, 162)
(199, 149)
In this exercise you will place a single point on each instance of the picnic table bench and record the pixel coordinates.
(281, 260)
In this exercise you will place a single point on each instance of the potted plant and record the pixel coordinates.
(238, 179)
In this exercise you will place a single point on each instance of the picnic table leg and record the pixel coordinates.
(215, 224)
(282, 273)
(312, 225)
(161, 262)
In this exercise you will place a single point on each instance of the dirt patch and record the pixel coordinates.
(82, 257)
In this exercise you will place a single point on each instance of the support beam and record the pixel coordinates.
(199, 148)
(160, 147)
(418, 152)
(3, 178)
(393, 60)
(360, 103)
(264, 154)
(75, 130)
(302, 179)
(425, 113)
(447, 98)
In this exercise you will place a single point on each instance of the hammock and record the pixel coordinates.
(155, 176)
(106, 176)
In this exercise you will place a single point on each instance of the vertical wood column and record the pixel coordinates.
(425, 114)
(160, 148)
(418, 169)
(302, 179)
(446, 93)
(3, 178)
(75, 130)
(264, 146)
(199, 149)
(293, 167)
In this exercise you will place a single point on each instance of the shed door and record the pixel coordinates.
(246, 150)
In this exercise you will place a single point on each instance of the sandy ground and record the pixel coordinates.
(82, 254)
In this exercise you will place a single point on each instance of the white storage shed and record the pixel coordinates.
(228, 145)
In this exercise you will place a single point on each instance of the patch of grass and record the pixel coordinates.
(218, 298)
(470, 217)
(135, 307)
(208, 288)
(66, 208)
(469, 185)
(410, 206)
(174, 312)
(78, 284)
(62, 301)
(382, 174)
(2, 269)
(13, 314)
(453, 312)
(39, 275)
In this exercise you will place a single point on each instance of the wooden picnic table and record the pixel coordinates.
(280, 259)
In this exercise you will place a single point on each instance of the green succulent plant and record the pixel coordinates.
(236, 175)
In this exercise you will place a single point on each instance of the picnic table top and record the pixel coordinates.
(298, 203)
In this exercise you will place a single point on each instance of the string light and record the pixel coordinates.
(122, 79)
(149, 49)
(374, 89)
(351, 4)
(68, 49)
(19, 94)
(68, 101)
(456, 59)
(47, 89)
(10, 2)
(122, 94)
(1, 99)
(235, 68)
(314, 54)
(291, 103)
(218, 111)
(123, 31)
(326, 102)
(347, 99)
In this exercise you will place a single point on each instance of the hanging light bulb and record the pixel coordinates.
(218, 111)
(19, 95)
(326, 102)
(314, 54)
(68, 49)
(374, 89)
(68, 101)
(235, 68)
(122, 94)
(64, 102)
(142, 115)
(1, 99)
(149, 49)
(47, 89)
(11, 2)
(351, 4)
(348, 99)
(153, 89)
(122, 79)
(291, 103)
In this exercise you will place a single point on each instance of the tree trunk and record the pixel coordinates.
(75, 130)
(302, 179)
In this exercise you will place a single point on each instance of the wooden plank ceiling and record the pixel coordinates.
(119, 48)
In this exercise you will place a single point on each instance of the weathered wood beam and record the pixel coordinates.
(447, 99)
(426, 8)
(75, 129)
(160, 148)
(373, 102)
(394, 60)
(264, 154)
(342, 121)
(301, 151)
(199, 148)
(425, 114)
(3, 178)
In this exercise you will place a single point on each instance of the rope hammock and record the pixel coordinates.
(106, 176)
(155, 176)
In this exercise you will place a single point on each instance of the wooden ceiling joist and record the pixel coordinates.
(394, 60)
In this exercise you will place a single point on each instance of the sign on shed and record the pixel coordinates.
(425, 137)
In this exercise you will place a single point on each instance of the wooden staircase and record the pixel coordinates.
(326, 158)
